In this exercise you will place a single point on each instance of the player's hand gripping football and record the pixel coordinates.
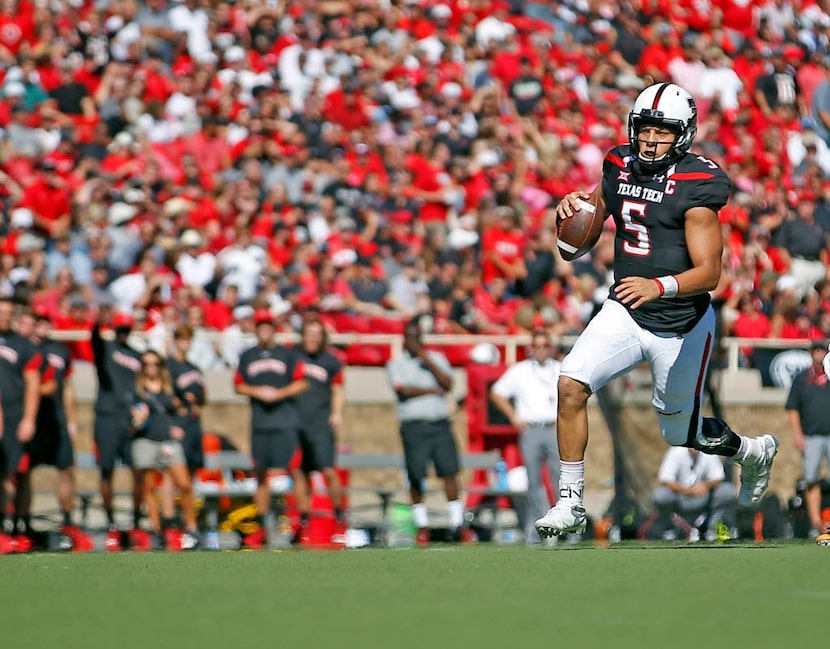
(636, 291)
(569, 206)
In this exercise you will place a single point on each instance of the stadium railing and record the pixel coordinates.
(511, 345)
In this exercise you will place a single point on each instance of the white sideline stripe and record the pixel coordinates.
(566, 246)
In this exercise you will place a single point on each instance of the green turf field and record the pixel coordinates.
(462, 597)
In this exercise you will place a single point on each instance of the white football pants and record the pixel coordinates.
(612, 344)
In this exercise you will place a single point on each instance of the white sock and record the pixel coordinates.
(571, 480)
(749, 450)
(419, 514)
(455, 508)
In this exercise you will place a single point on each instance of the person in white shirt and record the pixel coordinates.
(720, 82)
(691, 486)
(195, 265)
(527, 394)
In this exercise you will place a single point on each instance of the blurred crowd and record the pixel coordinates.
(193, 161)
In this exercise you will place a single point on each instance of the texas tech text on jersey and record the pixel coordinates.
(650, 214)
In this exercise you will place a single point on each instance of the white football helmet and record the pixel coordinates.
(670, 106)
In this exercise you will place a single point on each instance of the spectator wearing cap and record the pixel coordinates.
(370, 291)
(21, 220)
(494, 28)
(406, 286)
(122, 159)
(807, 406)
(195, 266)
(239, 335)
(778, 88)
(803, 243)
(67, 251)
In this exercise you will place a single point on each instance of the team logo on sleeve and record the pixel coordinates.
(9, 354)
(316, 372)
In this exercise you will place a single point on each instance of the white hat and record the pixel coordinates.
(441, 11)
(452, 90)
(487, 158)
(122, 139)
(279, 306)
(190, 238)
(176, 206)
(459, 239)
(14, 89)
(120, 213)
(786, 283)
(243, 311)
(134, 195)
(234, 54)
(22, 217)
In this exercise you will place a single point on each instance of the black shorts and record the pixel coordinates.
(318, 449)
(13, 457)
(51, 447)
(429, 440)
(192, 446)
(113, 440)
(273, 448)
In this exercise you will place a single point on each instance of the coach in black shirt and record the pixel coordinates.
(20, 398)
(320, 410)
(271, 376)
(116, 364)
(808, 406)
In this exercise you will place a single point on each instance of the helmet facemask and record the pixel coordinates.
(676, 113)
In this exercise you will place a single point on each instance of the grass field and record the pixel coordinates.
(463, 597)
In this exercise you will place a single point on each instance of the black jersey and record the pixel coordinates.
(314, 405)
(116, 366)
(277, 367)
(17, 356)
(162, 407)
(55, 366)
(187, 379)
(650, 215)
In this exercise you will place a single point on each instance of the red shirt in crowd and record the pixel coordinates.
(505, 244)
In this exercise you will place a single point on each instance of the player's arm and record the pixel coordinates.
(338, 405)
(704, 242)
(70, 407)
(31, 399)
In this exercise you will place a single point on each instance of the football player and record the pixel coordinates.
(667, 257)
